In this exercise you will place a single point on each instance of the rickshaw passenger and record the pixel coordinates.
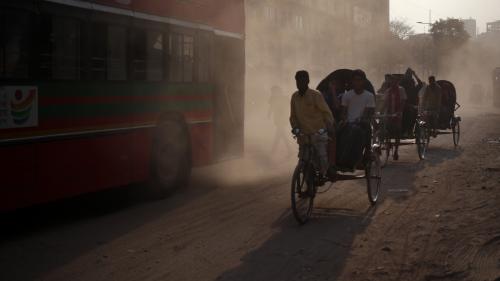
(385, 85)
(410, 112)
(395, 100)
(448, 102)
(332, 99)
(432, 102)
(358, 105)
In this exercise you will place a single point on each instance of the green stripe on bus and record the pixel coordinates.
(65, 89)
(102, 110)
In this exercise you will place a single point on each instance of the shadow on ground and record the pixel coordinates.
(319, 249)
(315, 251)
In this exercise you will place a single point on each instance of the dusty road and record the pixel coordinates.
(437, 220)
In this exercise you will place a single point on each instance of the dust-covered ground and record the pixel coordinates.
(438, 219)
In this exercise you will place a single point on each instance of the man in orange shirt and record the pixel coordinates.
(310, 115)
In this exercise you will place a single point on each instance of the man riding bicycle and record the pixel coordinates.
(395, 99)
(310, 115)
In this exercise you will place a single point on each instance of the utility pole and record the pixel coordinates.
(425, 53)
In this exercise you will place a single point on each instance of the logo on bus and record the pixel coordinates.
(18, 107)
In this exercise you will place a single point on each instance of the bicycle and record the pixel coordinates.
(307, 177)
(387, 143)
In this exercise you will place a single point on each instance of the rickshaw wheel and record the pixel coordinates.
(456, 131)
(422, 138)
(388, 150)
(373, 176)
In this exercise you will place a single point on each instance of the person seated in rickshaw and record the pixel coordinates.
(448, 102)
(310, 115)
(354, 137)
(410, 111)
(332, 98)
(431, 103)
(385, 85)
(394, 104)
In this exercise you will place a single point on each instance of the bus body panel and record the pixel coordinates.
(97, 134)
(69, 164)
(225, 15)
(47, 171)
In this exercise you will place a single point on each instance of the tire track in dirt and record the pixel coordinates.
(407, 223)
(486, 260)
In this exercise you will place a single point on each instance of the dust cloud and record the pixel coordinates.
(471, 70)
(318, 36)
(282, 37)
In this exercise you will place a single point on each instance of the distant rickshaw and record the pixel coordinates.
(448, 122)
(414, 130)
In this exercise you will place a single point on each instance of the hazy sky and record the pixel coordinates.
(418, 10)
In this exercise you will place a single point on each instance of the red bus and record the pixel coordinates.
(105, 93)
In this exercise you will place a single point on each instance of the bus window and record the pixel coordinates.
(203, 58)
(14, 44)
(116, 53)
(181, 57)
(66, 48)
(188, 58)
(175, 57)
(138, 54)
(155, 56)
(59, 48)
(44, 38)
(98, 49)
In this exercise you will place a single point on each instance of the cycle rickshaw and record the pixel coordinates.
(306, 177)
(448, 122)
(414, 129)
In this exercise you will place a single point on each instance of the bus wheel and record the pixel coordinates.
(171, 159)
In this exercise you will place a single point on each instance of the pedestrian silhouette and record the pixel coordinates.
(279, 112)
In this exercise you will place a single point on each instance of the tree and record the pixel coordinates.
(449, 37)
(401, 29)
(449, 34)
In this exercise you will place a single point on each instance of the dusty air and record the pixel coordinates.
(250, 140)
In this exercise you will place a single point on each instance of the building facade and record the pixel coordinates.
(493, 26)
(471, 27)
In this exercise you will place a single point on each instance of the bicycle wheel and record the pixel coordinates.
(303, 193)
(456, 131)
(373, 174)
(422, 140)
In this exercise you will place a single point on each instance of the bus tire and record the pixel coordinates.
(171, 156)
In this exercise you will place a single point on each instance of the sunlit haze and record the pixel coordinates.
(414, 11)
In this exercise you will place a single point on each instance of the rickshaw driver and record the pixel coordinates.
(310, 115)
(395, 100)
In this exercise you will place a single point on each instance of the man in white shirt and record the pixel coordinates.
(358, 106)
(358, 103)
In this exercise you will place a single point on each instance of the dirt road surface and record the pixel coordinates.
(438, 219)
